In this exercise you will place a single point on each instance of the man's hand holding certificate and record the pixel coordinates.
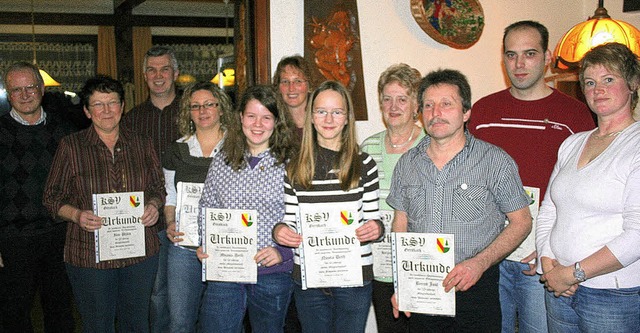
(421, 261)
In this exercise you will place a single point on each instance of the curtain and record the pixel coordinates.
(107, 64)
(141, 43)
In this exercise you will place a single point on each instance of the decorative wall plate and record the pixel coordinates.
(457, 23)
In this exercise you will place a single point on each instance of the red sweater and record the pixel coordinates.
(530, 131)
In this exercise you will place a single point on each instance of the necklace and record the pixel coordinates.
(602, 137)
(400, 145)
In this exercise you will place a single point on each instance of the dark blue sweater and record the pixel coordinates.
(26, 153)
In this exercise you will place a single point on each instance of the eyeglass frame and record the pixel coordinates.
(19, 90)
(206, 106)
(296, 82)
(101, 106)
(335, 113)
(400, 100)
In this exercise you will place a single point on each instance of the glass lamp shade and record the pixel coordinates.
(228, 78)
(48, 80)
(600, 29)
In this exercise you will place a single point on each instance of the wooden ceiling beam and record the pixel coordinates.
(126, 4)
(110, 20)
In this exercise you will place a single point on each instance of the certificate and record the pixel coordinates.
(330, 250)
(529, 243)
(230, 238)
(382, 249)
(122, 233)
(420, 263)
(187, 212)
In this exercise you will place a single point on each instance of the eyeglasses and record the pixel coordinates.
(100, 106)
(206, 106)
(296, 83)
(29, 90)
(335, 113)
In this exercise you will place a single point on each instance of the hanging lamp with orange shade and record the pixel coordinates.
(599, 29)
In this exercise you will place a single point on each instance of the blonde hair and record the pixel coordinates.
(617, 58)
(303, 166)
(406, 76)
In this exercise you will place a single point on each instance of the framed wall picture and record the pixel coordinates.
(631, 5)
(332, 47)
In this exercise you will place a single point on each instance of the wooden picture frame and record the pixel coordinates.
(456, 23)
(252, 39)
(332, 47)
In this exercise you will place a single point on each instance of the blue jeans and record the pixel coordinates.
(102, 295)
(225, 303)
(592, 310)
(521, 297)
(185, 287)
(160, 298)
(324, 310)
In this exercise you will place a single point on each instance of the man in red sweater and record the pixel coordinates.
(529, 120)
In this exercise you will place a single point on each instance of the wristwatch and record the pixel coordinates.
(578, 273)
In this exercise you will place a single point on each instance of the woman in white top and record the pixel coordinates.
(588, 232)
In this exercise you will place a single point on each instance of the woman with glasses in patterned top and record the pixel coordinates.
(248, 174)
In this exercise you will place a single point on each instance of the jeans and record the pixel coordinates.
(382, 292)
(521, 298)
(324, 310)
(104, 295)
(225, 303)
(477, 310)
(592, 310)
(159, 298)
(185, 287)
(33, 261)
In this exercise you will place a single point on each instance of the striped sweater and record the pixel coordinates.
(325, 189)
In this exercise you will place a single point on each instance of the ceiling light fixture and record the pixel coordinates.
(48, 80)
(228, 74)
(599, 29)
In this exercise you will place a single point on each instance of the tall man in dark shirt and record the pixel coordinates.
(31, 241)
(156, 118)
